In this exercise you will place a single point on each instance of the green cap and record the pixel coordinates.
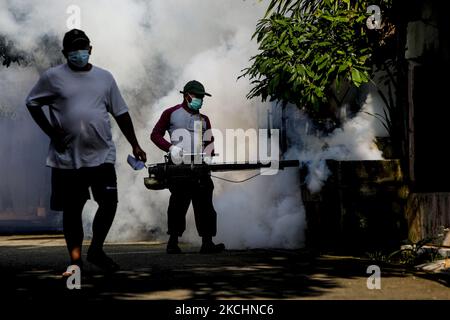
(195, 87)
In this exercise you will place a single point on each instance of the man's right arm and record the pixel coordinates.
(157, 135)
(39, 117)
(42, 95)
(55, 135)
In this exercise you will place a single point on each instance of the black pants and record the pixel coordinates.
(199, 190)
(70, 191)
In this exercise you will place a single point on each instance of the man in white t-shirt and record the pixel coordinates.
(81, 98)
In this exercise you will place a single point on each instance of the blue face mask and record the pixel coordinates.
(78, 58)
(195, 104)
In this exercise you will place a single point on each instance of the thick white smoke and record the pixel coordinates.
(153, 48)
(355, 140)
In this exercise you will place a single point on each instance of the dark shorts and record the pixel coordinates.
(71, 186)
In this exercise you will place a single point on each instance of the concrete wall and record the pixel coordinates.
(428, 214)
(359, 209)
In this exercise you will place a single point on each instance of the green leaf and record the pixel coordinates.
(356, 77)
(307, 48)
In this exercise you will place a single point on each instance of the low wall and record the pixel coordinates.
(360, 208)
(427, 215)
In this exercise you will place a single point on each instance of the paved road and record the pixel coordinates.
(31, 265)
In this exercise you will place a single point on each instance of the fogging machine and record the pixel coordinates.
(160, 174)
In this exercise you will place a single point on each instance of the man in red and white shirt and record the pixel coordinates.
(185, 120)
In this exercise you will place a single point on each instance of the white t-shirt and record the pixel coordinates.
(79, 103)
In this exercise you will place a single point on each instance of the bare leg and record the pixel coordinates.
(73, 230)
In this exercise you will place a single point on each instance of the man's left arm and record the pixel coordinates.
(126, 126)
(119, 110)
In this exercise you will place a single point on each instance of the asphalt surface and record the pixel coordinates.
(31, 267)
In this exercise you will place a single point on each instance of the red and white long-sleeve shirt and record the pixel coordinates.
(183, 125)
